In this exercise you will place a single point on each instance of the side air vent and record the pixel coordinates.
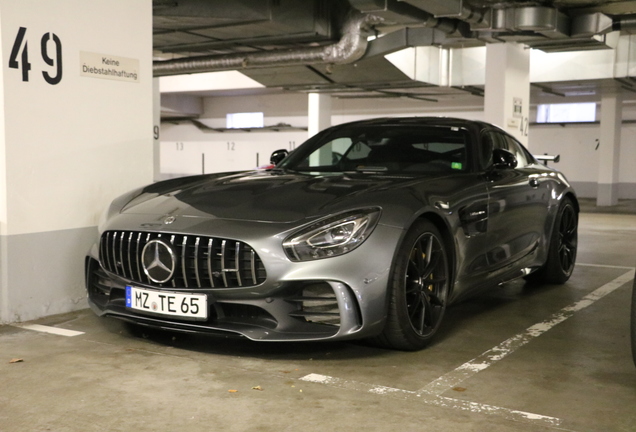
(317, 303)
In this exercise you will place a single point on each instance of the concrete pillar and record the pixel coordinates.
(507, 95)
(319, 113)
(76, 131)
(156, 129)
(610, 144)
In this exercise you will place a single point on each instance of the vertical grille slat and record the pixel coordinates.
(137, 257)
(202, 262)
(223, 268)
(130, 258)
(105, 256)
(146, 276)
(121, 254)
(174, 282)
(253, 266)
(196, 261)
(184, 254)
(102, 253)
(113, 266)
(210, 257)
(237, 263)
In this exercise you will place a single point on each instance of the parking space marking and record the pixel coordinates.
(439, 401)
(507, 347)
(432, 393)
(606, 266)
(49, 329)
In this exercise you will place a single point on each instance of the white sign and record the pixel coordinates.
(517, 107)
(106, 66)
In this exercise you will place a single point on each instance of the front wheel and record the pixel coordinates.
(418, 289)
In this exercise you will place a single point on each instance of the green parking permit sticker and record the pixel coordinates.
(456, 165)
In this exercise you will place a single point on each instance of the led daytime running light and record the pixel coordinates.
(332, 236)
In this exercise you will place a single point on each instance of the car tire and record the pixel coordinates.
(418, 288)
(562, 250)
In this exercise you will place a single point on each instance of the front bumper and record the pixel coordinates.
(331, 299)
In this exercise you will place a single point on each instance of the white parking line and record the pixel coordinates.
(48, 329)
(507, 347)
(606, 266)
(432, 392)
(444, 402)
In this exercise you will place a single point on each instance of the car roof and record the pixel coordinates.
(474, 125)
(424, 121)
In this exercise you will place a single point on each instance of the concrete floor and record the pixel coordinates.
(518, 359)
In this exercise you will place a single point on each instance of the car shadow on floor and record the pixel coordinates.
(458, 316)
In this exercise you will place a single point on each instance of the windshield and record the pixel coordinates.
(391, 149)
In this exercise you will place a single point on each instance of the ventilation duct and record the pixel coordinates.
(546, 21)
(477, 18)
(402, 13)
(591, 24)
(350, 48)
(542, 27)
(393, 11)
(455, 22)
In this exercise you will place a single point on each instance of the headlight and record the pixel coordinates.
(332, 236)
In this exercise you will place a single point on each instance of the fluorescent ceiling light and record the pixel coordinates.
(566, 113)
(223, 80)
(245, 120)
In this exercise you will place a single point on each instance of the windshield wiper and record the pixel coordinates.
(371, 169)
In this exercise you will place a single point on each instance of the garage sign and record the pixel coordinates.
(106, 66)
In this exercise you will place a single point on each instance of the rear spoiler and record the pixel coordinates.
(545, 158)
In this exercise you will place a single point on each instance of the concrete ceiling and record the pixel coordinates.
(338, 46)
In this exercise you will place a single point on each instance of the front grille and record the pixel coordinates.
(200, 262)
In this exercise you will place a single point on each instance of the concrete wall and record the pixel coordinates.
(580, 148)
(67, 146)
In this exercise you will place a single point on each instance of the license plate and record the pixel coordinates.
(193, 306)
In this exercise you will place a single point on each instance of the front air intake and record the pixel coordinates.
(317, 303)
(192, 261)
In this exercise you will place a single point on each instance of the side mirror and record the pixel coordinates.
(278, 156)
(503, 159)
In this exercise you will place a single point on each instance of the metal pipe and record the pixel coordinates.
(624, 22)
(350, 48)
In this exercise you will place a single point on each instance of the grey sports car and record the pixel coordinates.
(368, 230)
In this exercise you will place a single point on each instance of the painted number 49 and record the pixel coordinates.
(19, 58)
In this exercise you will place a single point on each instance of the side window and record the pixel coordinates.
(517, 149)
(489, 142)
(494, 139)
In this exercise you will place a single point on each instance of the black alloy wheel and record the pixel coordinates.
(568, 238)
(419, 290)
(563, 246)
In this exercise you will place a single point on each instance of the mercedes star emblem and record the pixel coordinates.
(158, 260)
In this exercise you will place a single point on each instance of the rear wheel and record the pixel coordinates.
(419, 289)
(563, 245)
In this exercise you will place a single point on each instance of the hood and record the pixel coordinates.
(266, 196)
